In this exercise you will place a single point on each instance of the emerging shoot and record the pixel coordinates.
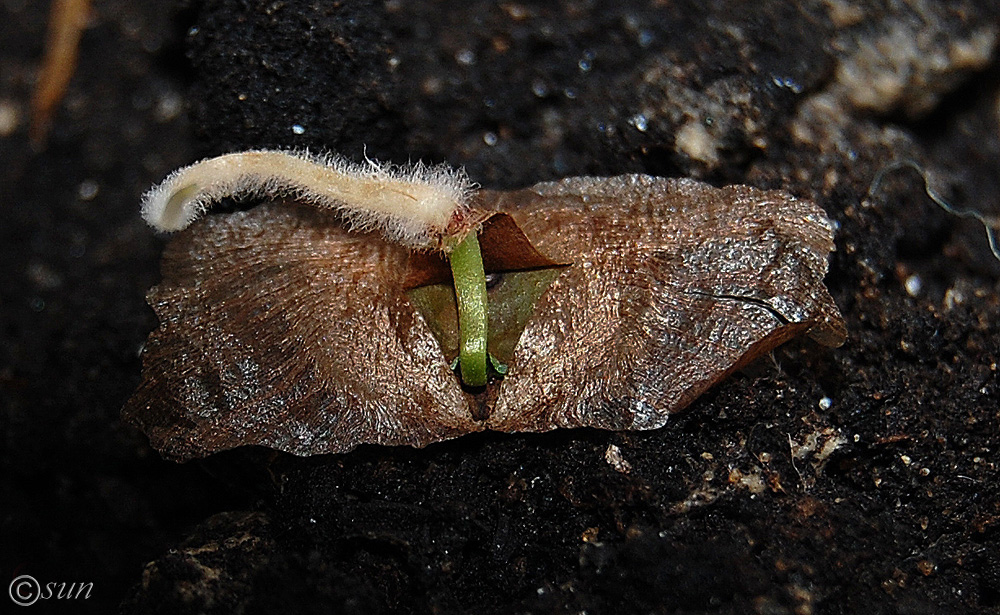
(470, 294)
(417, 206)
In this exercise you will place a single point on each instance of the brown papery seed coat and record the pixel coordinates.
(279, 328)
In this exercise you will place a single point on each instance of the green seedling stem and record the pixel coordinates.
(470, 293)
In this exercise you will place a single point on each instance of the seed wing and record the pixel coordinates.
(280, 328)
(674, 285)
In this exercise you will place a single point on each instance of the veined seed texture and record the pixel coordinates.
(619, 301)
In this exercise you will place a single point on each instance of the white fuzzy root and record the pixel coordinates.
(412, 205)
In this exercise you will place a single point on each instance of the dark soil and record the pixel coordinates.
(854, 480)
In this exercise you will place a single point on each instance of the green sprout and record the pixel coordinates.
(470, 294)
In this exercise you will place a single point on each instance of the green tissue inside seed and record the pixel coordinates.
(470, 293)
(510, 303)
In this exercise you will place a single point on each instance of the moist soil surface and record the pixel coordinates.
(853, 480)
